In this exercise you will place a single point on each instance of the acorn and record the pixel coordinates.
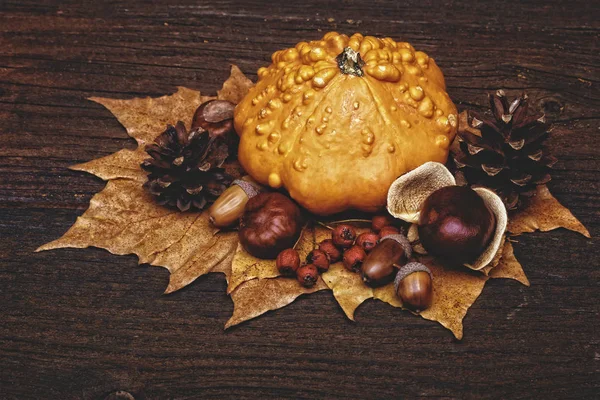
(382, 262)
(353, 258)
(307, 275)
(343, 236)
(367, 240)
(288, 262)
(229, 207)
(319, 259)
(455, 224)
(333, 253)
(414, 286)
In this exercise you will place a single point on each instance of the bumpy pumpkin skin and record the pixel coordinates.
(337, 141)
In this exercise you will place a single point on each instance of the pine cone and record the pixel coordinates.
(508, 156)
(185, 168)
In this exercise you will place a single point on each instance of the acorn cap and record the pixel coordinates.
(403, 242)
(408, 193)
(409, 269)
(251, 189)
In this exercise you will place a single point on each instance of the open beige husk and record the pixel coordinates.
(407, 194)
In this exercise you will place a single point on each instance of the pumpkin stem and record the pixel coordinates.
(350, 62)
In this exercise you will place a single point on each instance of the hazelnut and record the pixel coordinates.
(380, 265)
(380, 221)
(319, 259)
(414, 286)
(307, 275)
(288, 261)
(455, 224)
(353, 258)
(271, 223)
(388, 230)
(343, 236)
(333, 253)
(367, 240)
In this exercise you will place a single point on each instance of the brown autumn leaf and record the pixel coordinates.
(235, 87)
(508, 267)
(455, 290)
(543, 212)
(124, 219)
(257, 296)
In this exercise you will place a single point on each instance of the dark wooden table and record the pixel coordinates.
(86, 324)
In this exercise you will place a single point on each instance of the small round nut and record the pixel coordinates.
(354, 257)
(288, 262)
(380, 221)
(343, 236)
(333, 253)
(307, 275)
(367, 240)
(388, 230)
(319, 259)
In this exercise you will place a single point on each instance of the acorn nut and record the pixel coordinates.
(414, 286)
(229, 207)
(382, 262)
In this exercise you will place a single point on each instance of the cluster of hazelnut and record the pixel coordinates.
(379, 255)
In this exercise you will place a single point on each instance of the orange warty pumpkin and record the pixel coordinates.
(336, 121)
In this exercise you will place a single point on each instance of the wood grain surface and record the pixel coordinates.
(84, 324)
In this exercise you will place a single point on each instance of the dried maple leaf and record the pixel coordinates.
(543, 212)
(124, 219)
(508, 267)
(257, 296)
(348, 288)
(455, 289)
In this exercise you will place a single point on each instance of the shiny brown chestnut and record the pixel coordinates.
(414, 286)
(455, 224)
(216, 116)
(382, 262)
(271, 223)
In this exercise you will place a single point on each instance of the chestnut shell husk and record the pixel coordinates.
(271, 223)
